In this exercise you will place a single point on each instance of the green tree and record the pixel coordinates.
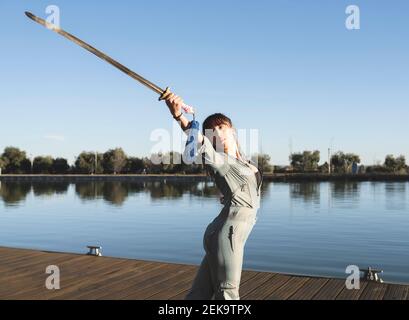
(306, 161)
(342, 162)
(60, 166)
(154, 163)
(2, 163)
(114, 161)
(15, 161)
(134, 165)
(173, 163)
(323, 168)
(43, 165)
(86, 162)
(263, 161)
(393, 164)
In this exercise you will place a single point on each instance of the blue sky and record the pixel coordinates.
(288, 68)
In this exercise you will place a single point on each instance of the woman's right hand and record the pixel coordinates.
(174, 104)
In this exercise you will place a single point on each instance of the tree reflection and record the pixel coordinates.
(116, 192)
(395, 195)
(12, 193)
(113, 192)
(89, 190)
(306, 191)
(345, 189)
(50, 188)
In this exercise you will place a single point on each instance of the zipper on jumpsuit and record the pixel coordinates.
(231, 237)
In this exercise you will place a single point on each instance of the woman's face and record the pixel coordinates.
(225, 137)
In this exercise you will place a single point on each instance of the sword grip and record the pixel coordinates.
(186, 108)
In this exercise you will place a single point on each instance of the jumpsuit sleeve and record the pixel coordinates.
(218, 161)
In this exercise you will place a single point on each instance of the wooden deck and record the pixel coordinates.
(22, 276)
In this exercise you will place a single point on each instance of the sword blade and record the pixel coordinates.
(97, 52)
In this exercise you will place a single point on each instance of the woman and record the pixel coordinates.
(239, 181)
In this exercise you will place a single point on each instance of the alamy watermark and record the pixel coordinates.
(353, 20)
(353, 281)
(52, 282)
(247, 144)
(53, 17)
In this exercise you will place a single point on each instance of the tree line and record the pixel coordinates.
(114, 161)
(340, 162)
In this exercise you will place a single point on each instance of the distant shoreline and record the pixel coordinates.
(277, 177)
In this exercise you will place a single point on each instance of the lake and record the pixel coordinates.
(303, 228)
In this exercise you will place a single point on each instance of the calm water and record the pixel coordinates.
(303, 228)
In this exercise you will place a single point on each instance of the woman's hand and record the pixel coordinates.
(174, 104)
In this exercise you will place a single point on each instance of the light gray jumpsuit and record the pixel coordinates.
(219, 274)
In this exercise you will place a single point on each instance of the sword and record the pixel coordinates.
(164, 94)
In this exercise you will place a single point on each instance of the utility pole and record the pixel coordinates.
(329, 155)
(329, 160)
(96, 162)
(31, 163)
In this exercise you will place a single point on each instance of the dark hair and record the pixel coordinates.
(215, 120)
(211, 122)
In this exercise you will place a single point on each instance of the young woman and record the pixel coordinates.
(239, 181)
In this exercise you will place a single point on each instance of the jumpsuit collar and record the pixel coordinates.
(258, 175)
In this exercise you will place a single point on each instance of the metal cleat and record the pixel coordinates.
(95, 251)
(371, 274)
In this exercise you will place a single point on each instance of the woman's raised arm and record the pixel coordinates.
(218, 161)
(174, 104)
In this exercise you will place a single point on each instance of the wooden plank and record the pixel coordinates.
(186, 276)
(71, 272)
(36, 288)
(245, 276)
(396, 292)
(330, 290)
(352, 294)
(284, 291)
(156, 283)
(92, 289)
(30, 279)
(19, 259)
(134, 283)
(7, 257)
(170, 291)
(309, 289)
(33, 264)
(256, 282)
(267, 287)
(373, 291)
(22, 276)
(103, 279)
(73, 287)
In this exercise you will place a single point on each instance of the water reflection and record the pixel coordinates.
(396, 196)
(13, 193)
(50, 188)
(345, 194)
(345, 189)
(308, 192)
(113, 192)
(116, 193)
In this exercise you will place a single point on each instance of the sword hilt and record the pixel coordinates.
(186, 108)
